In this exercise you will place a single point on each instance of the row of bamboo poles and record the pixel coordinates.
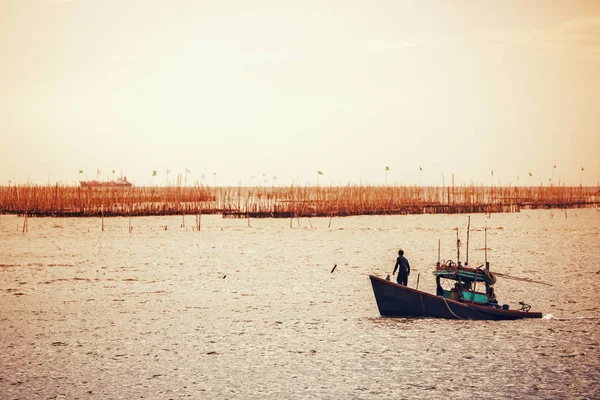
(285, 202)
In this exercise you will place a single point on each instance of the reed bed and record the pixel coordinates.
(285, 202)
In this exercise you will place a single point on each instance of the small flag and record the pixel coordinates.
(154, 173)
(492, 172)
(214, 173)
(530, 174)
(113, 171)
(319, 172)
(187, 171)
(81, 171)
(98, 171)
(555, 166)
(420, 168)
(274, 177)
(582, 169)
(387, 168)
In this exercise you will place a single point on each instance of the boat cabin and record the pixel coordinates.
(473, 285)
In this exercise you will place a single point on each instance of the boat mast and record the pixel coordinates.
(468, 234)
(485, 246)
(474, 285)
(457, 248)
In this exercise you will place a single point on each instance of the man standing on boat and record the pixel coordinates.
(403, 268)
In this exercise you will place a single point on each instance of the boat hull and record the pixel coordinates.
(395, 300)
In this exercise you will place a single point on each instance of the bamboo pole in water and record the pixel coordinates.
(293, 202)
(200, 219)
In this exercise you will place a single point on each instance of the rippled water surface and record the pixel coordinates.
(250, 309)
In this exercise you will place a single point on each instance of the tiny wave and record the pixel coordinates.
(550, 316)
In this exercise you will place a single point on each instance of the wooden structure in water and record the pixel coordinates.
(285, 202)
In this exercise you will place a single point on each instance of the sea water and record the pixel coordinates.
(250, 309)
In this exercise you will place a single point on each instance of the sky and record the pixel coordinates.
(271, 92)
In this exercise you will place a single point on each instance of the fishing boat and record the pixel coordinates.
(469, 296)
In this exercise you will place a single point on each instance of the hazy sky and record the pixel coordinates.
(286, 88)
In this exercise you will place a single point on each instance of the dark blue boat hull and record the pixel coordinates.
(395, 300)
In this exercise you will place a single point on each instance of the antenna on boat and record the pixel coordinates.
(468, 233)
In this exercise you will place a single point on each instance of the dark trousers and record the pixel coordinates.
(402, 278)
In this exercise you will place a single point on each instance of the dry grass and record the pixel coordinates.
(285, 202)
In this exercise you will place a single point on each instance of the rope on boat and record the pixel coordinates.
(452, 312)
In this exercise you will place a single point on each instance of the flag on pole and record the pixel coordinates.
(319, 172)
(582, 169)
(113, 171)
(81, 171)
(154, 173)
(492, 172)
(98, 171)
(187, 171)
(420, 168)
(530, 174)
(387, 168)
(555, 166)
